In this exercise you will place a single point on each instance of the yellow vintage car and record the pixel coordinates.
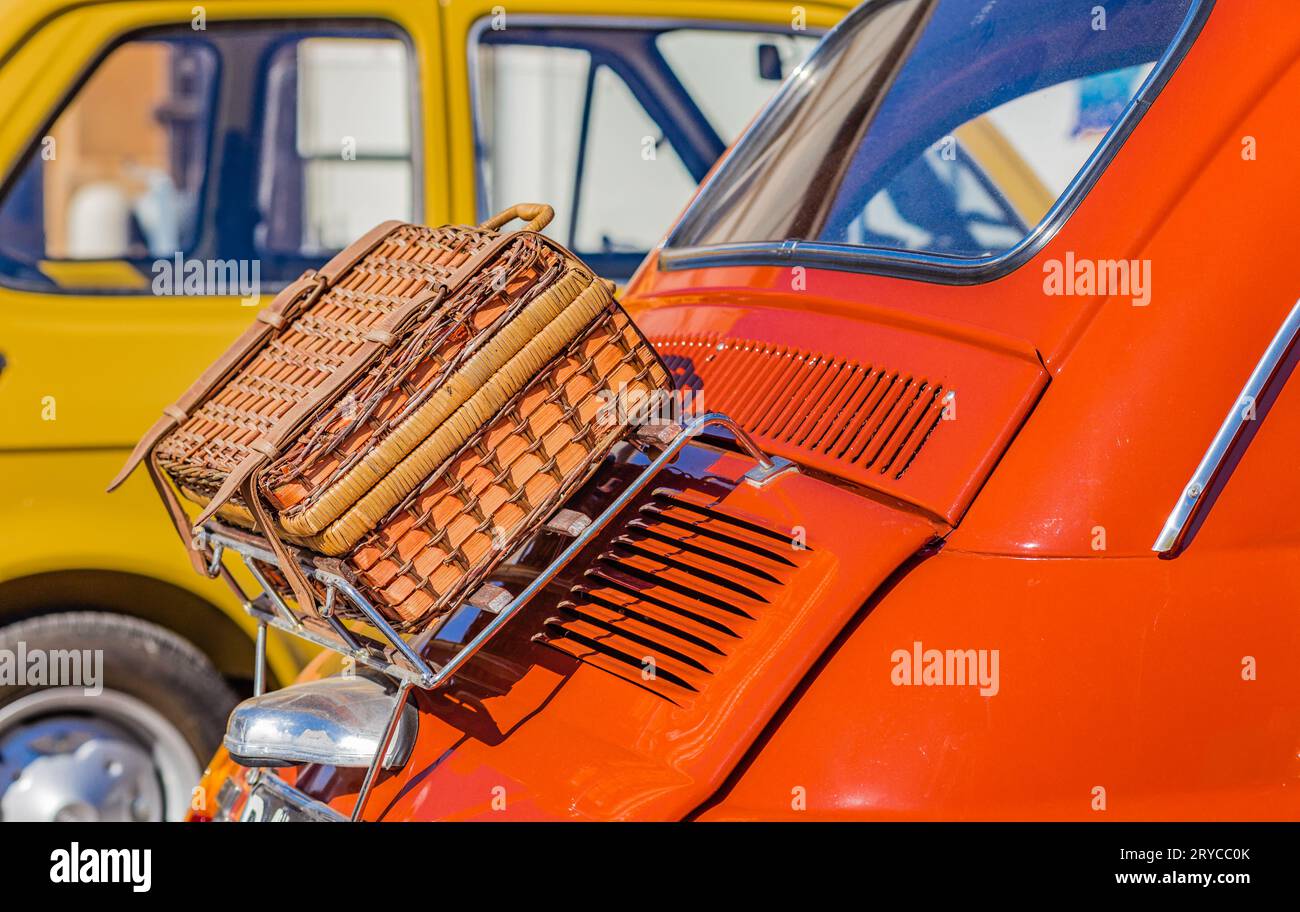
(165, 166)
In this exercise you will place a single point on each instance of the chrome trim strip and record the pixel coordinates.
(918, 265)
(321, 812)
(259, 660)
(1233, 422)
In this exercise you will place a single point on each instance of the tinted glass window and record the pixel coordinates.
(633, 182)
(948, 127)
(336, 152)
(120, 173)
(566, 129)
(731, 75)
(615, 126)
(272, 143)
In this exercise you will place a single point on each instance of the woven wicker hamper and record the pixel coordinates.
(415, 408)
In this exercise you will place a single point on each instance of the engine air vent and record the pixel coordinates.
(858, 420)
(672, 592)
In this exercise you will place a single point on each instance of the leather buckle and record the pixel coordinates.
(319, 287)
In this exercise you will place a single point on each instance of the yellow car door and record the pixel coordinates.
(166, 168)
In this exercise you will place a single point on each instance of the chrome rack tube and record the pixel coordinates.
(768, 465)
(413, 669)
(386, 742)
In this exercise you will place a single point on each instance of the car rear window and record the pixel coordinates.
(942, 129)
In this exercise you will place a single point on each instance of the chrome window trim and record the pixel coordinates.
(541, 20)
(922, 266)
(1233, 423)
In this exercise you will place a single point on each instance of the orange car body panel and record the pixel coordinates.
(1131, 686)
(576, 739)
(1122, 675)
(1121, 671)
(864, 402)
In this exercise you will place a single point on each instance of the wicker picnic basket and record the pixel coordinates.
(416, 408)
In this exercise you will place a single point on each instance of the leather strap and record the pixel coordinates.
(250, 341)
(303, 593)
(245, 475)
(266, 447)
(177, 514)
(358, 250)
(301, 292)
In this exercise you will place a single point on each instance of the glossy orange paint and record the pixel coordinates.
(751, 360)
(1130, 686)
(1115, 674)
(1120, 671)
(571, 740)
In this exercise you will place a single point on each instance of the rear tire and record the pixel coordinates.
(133, 751)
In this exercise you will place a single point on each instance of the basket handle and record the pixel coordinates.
(537, 215)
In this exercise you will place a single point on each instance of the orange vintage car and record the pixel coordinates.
(982, 502)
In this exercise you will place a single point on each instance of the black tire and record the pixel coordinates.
(144, 660)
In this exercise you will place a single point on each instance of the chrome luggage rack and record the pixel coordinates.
(404, 660)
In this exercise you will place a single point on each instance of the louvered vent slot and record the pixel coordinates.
(672, 593)
(869, 418)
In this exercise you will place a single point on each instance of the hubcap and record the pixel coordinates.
(68, 756)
